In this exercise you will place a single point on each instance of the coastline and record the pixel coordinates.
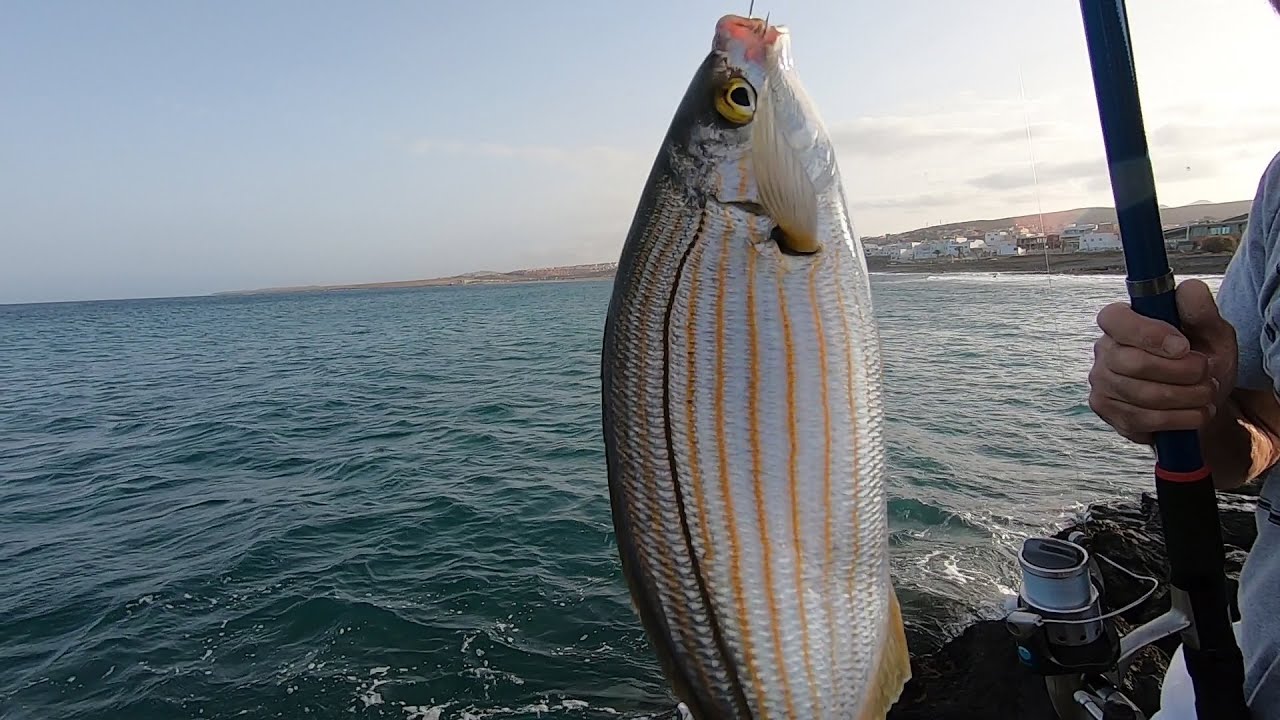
(515, 277)
(1095, 263)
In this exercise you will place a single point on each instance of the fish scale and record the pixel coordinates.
(643, 458)
(742, 408)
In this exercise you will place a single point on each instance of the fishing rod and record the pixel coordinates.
(1061, 633)
(1184, 484)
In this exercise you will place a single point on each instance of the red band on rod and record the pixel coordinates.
(1183, 477)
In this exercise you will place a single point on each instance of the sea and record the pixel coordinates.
(393, 504)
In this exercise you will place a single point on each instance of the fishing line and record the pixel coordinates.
(1048, 272)
(1035, 177)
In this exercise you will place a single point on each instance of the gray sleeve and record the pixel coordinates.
(1240, 297)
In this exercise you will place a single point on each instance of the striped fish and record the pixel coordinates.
(742, 408)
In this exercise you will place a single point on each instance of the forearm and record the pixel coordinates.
(1238, 444)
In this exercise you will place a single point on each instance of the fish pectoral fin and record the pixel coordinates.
(894, 669)
(783, 183)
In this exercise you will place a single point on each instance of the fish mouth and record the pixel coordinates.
(784, 191)
(751, 37)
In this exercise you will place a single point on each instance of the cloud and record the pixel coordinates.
(588, 158)
(902, 171)
(894, 136)
(1196, 136)
(913, 202)
(541, 204)
(1045, 174)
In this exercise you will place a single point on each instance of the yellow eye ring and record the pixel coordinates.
(736, 101)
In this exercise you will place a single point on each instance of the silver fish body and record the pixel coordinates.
(742, 408)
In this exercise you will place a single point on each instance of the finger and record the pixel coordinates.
(1128, 327)
(1153, 395)
(1104, 408)
(1199, 313)
(1139, 438)
(1131, 420)
(1131, 362)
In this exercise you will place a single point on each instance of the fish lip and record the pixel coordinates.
(751, 38)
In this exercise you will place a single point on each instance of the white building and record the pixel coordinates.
(934, 249)
(1005, 247)
(1099, 241)
(1075, 230)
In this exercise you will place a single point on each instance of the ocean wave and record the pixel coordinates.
(395, 504)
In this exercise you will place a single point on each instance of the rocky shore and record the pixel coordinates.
(977, 675)
(1093, 263)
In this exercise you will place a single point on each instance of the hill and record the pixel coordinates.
(1055, 221)
(481, 277)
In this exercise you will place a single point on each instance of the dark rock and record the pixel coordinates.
(930, 618)
(1142, 682)
(977, 674)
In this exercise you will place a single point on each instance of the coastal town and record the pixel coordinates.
(1208, 235)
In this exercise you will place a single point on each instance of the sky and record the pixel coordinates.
(152, 148)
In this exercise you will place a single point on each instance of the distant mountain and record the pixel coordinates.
(1201, 211)
(1055, 221)
(593, 271)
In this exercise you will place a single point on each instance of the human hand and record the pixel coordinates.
(1147, 377)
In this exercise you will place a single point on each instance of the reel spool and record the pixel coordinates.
(1057, 616)
(1063, 635)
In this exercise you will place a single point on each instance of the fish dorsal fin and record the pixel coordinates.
(894, 669)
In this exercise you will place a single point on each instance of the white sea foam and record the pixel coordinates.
(566, 708)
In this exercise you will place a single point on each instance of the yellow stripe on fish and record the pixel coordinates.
(742, 408)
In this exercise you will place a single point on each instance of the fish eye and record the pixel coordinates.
(736, 101)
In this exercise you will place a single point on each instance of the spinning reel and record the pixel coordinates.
(1063, 635)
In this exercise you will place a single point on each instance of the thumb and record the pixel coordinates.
(1199, 314)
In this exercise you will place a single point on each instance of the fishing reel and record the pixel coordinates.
(1062, 633)
(1057, 616)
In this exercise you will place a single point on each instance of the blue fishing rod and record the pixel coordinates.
(1184, 484)
(1057, 618)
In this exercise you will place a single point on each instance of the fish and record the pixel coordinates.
(742, 407)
